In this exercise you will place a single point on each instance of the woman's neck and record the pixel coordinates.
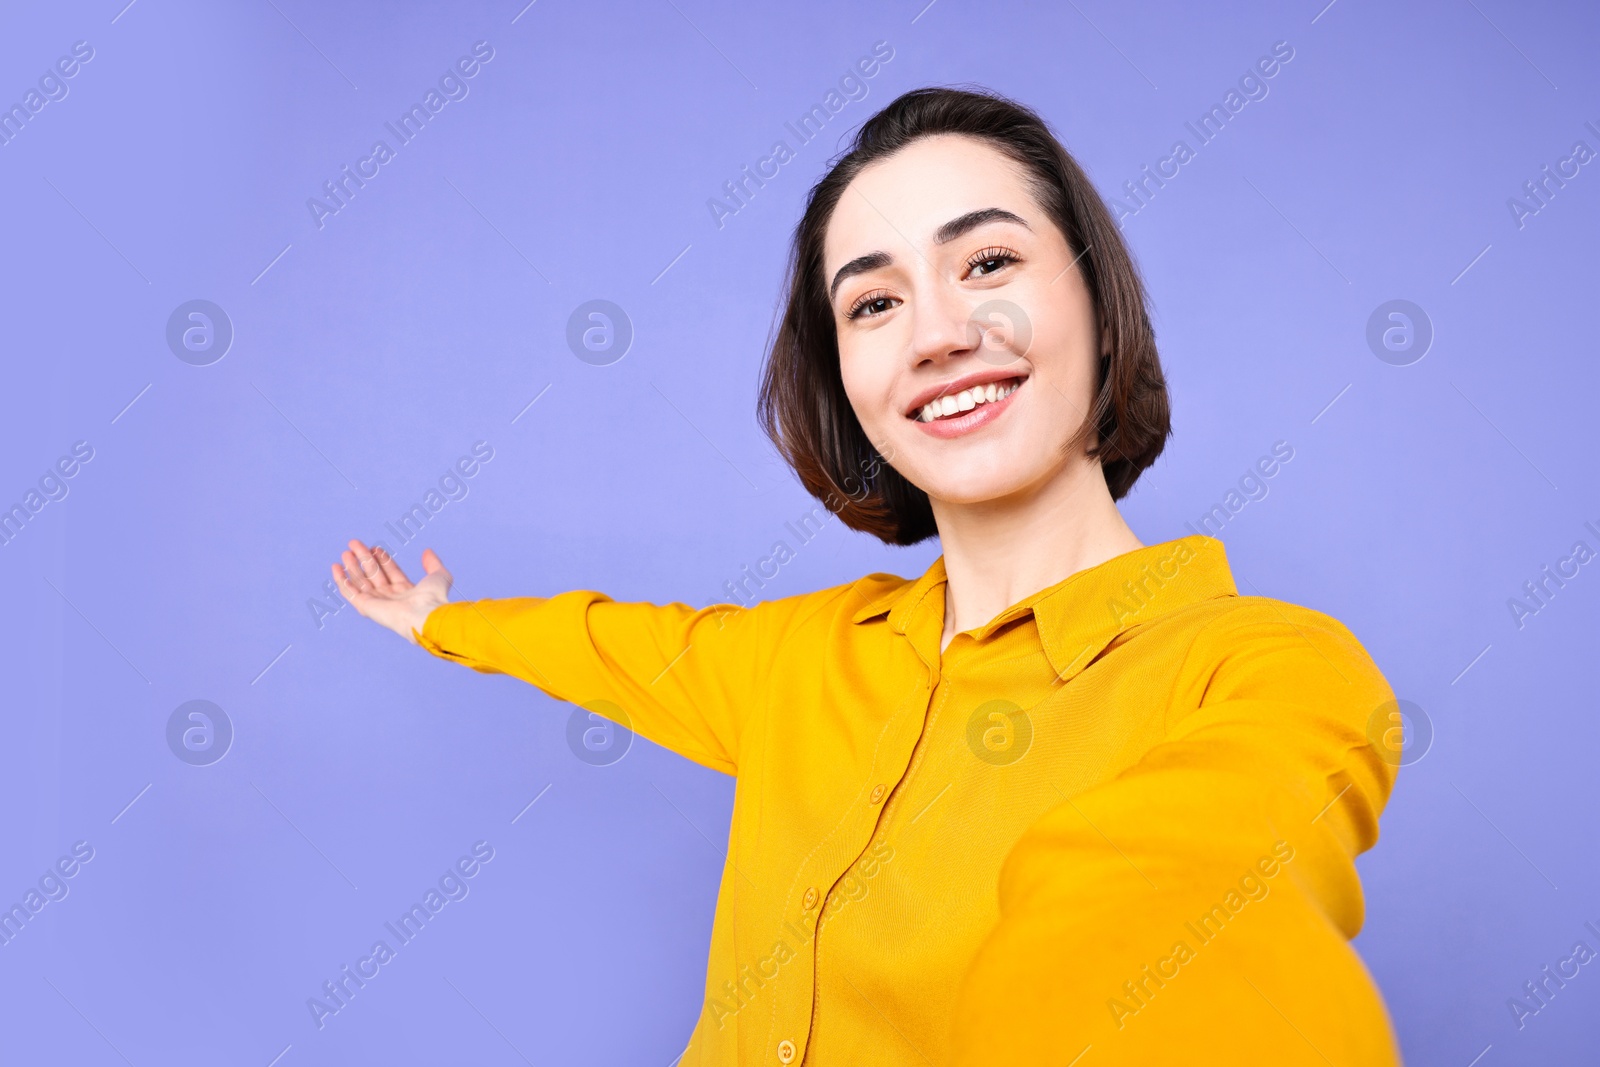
(1002, 551)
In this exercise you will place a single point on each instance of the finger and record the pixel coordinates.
(370, 567)
(350, 579)
(391, 569)
(357, 577)
(342, 582)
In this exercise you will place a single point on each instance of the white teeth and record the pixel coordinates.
(966, 400)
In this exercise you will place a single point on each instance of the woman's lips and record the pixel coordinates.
(967, 421)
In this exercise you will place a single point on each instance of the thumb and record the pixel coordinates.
(431, 564)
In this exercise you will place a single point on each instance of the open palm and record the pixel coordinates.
(374, 585)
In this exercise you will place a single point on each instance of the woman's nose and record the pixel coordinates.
(942, 325)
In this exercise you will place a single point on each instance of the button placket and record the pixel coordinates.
(812, 896)
(925, 699)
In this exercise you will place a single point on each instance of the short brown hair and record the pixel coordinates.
(802, 403)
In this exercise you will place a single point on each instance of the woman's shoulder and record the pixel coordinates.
(868, 591)
(1236, 611)
(1270, 646)
(852, 601)
(1240, 619)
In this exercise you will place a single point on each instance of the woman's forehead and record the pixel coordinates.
(905, 198)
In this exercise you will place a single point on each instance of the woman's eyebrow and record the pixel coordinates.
(860, 265)
(944, 235)
(972, 220)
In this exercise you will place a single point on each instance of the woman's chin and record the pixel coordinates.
(980, 489)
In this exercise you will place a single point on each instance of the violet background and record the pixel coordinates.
(429, 312)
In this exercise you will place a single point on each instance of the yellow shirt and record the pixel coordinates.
(1114, 825)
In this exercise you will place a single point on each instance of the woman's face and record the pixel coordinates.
(967, 339)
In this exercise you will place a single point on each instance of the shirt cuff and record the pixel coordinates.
(441, 632)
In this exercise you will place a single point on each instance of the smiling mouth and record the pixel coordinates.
(954, 405)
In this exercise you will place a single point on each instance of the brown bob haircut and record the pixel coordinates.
(802, 404)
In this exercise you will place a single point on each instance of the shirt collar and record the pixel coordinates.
(1080, 615)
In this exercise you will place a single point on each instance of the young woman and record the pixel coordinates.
(1064, 798)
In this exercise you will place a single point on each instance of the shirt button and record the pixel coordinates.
(877, 794)
(810, 902)
(785, 1051)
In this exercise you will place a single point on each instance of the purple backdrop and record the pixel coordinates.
(354, 350)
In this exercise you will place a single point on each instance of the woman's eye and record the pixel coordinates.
(988, 263)
(870, 305)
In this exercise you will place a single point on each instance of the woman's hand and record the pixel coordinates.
(375, 586)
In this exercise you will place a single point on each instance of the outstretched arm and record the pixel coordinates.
(1197, 908)
(680, 676)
